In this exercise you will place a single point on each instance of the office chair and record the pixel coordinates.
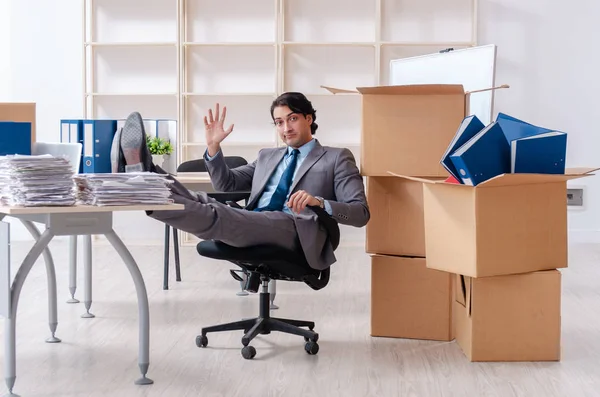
(271, 262)
(199, 166)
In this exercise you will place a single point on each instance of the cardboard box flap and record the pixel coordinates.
(424, 180)
(335, 90)
(581, 170)
(488, 89)
(513, 179)
(463, 291)
(415, 89)
(528, 179)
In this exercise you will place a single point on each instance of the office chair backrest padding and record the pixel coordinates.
(199, 165)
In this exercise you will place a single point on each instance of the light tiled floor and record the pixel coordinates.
(98, 356)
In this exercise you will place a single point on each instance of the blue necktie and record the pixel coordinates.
(281, 192)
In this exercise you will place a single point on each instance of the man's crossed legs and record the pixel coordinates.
(203, 216)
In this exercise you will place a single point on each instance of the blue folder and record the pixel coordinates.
(97, 142)
(539, 154)
(15, 138)
(514, 128)
(71, 131)
(484, 156)
(469, 127)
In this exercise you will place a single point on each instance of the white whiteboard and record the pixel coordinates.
(474, 68)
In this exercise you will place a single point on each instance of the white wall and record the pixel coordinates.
(47, 68)
(5, 39)
(546, 52)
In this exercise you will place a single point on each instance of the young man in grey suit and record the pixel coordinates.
(283, 182)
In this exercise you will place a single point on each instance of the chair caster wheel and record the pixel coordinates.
(311, 348)
(248, 352)
(201, 341)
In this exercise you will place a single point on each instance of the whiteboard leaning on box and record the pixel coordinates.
(474, 68)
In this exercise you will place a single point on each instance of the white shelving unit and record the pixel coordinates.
(176, 58)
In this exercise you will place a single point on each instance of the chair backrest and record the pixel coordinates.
(199, 165)
(71, 151)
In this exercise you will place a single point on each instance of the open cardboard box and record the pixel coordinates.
(509, 224)
(509, 318)
(407, 127)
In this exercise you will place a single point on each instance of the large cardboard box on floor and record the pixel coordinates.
(397, 225)
(509, 224)
(21, 112)
(406, 129)
(408, 300)
(509, 318)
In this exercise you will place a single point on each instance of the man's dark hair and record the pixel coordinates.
(297, 103)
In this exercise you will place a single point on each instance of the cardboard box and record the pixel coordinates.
(397, 225)
(406, 129)
(24, 112)
(509, 224)
(509, 318)
(408, 300)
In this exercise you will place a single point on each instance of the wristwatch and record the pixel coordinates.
(321, 201)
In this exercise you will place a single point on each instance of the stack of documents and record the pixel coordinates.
(36, 181)
(123, 189)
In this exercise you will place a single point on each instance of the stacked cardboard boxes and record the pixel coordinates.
(405, 129)
(476, 264)
(504, 239)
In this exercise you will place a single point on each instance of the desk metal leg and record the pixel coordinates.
(73, 268)
(51, 277)
(87, 275)
(166, 258)
(176, 252)
(10, 372)
(143, 309)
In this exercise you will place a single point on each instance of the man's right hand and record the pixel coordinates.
(213, 128)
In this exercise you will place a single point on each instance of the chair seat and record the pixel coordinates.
(273, 261)
(255, 254)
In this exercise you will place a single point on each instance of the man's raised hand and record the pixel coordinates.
(214, 131)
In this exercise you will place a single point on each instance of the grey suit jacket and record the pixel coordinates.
(327, 172)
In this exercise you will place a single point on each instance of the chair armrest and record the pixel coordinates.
(318, 282)
(330, 225)
(234, 204)
(224, 197)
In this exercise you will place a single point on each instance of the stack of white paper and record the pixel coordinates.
(123, 189)
(36, 181)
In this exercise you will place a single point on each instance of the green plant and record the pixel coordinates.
(159, 146)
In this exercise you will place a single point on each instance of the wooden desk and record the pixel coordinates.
(66, 221)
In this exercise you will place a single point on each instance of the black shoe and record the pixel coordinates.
(135, 152)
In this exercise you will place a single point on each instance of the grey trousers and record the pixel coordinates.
(207, 219)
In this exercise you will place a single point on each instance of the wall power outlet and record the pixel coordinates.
(575, 197)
